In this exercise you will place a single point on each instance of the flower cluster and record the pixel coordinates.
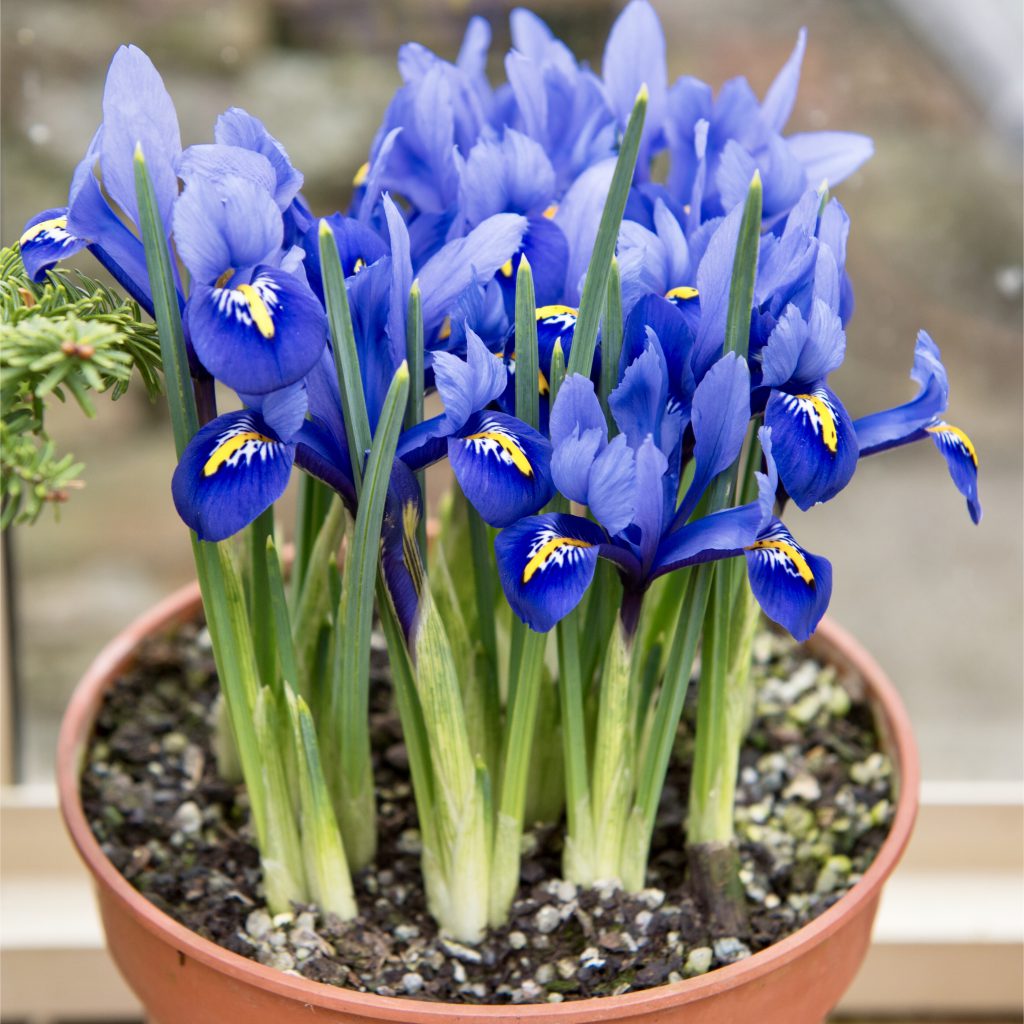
(634, 456)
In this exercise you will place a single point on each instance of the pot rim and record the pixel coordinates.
(76, 729)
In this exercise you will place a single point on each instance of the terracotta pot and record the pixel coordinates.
(184, 979)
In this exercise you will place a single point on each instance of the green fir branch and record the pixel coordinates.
(67, 335)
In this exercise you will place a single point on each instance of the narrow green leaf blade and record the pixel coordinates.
(346, 356)
(584, 340)
(180, 397)
(527, 359)
(744, 270)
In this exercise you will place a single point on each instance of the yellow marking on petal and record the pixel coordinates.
(445, 331)
(509, 446)
(551, 211)
(257, 309)
(547, 550)
(224, 451)
(506, 268)
(946, 428)
(829, 434)
(54, 223)
(798, 561)
(542, 383)
(360, 264)
(682, 292)
(224, 278)
(360, 175)
(543, 312)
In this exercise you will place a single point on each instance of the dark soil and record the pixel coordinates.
(814, 804)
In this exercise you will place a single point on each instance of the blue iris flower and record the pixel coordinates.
(502, 465)
(513, 174)
(557, 102)
(716, 143)
(252, 318)
(630, 483)
(102, 213)
(921, 418)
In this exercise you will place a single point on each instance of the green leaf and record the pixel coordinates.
(350, 683)
(744, 271)
(584, 339)
(527, 359)
(611, 344)
(327, 870)
(346, 356)
(281, 854)
(180, 398)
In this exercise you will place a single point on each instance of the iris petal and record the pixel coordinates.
(261, 336)
(962, 460)
(503, 467)
(232, 470)
(792, 586)
(814, 442)
(46, 240)
(546, 564)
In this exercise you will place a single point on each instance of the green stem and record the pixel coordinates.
(579, 833)
(614, 765)
(260, 531)
(508, 829)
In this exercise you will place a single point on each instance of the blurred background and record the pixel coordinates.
(935, 243)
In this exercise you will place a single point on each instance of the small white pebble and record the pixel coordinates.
(412, 983)
(547, 920)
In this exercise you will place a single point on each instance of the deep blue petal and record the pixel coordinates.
(961, 458)
(112, 242)
(650, 503)
(546, 564)
(576, 410)
(231, 471)
(402, 511)
(359, 246)
(719, 535)
(671, 321)
(467, 386)
(892, 427)
(639, 402)
(792, 586)
(803, 352)
(572, 460)
(475, 258)
(814, 444)
(721, 411)
(258, 337)
(283, 411)
(318, 453)
(503, 467)
(714, 277)
(612, 486)
(46, 241)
